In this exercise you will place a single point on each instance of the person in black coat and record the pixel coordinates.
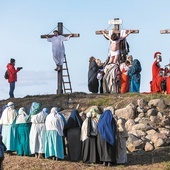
(93, 83)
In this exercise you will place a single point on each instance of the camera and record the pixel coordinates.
(19, 68)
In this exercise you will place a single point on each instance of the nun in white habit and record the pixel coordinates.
(8, 127)
(54, 132)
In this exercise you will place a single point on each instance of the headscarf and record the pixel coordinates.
(89, 127)
(74, 120)
(10, 105)
(62, 116)
(54, 122)
(46, 110)
(95, 114)
(107, 127)
(135, 70)
(35, 108)
(22, 116)
(8, 115)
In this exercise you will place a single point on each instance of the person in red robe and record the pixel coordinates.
(167, 78)
(124, 80)
(157, 74)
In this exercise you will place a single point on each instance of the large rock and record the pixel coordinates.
(159, 103)
(149, 146)
(127, 113)
(134, 143)
(141, 126)
(138, 133)
(152, 112)
(129, 124)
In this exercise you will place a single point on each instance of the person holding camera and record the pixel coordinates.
(12, 72)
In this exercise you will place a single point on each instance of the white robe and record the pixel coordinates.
(58, 48)
(55, 122)
(54, 132)
(8, 128)
(37, 133)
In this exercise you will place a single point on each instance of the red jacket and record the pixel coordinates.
(12, 72)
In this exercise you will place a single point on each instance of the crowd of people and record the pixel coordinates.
(114, 78)
(92, 137)
(120, 73)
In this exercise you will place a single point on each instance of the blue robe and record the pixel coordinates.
(135, 76)
(54, 145)
(22, 137)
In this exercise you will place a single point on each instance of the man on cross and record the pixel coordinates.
(114, 45)
(58, 48)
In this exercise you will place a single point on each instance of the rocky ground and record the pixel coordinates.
(158, 159)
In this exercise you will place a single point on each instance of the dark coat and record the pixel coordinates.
(93, 82)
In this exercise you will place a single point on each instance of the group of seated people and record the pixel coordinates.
(92, 137)
(114, 78)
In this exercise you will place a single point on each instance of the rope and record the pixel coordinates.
(56, 27)
(52, 30)
(108, 27)
(67, 29)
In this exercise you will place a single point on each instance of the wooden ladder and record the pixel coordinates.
(66, 77)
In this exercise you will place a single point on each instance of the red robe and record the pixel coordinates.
(155, 84)
(155, 69)
(124, 82)
(168, 85)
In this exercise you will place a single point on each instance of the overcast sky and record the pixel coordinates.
(23, 21)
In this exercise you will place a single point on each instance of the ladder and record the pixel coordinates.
(66, 77)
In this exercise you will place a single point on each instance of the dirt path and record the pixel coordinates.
(157, 160)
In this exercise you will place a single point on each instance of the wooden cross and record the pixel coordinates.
(116, 29)
(60, 73)
(167, 31)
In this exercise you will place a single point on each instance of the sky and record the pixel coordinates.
(23, 22)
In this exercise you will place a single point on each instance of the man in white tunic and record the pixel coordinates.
(58, 48)
(8, 127)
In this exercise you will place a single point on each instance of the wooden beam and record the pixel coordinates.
(117, 31)
(50, 36)
(165, 31)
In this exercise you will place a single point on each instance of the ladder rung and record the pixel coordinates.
(66, 77)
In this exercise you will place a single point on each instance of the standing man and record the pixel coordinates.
(58, 48)
(12, 72)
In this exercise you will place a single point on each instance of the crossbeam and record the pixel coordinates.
(167, 31)
(52, 35)
(116, 31)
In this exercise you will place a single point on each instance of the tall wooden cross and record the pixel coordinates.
(116, 22)
(60, 73)
(167, 31)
